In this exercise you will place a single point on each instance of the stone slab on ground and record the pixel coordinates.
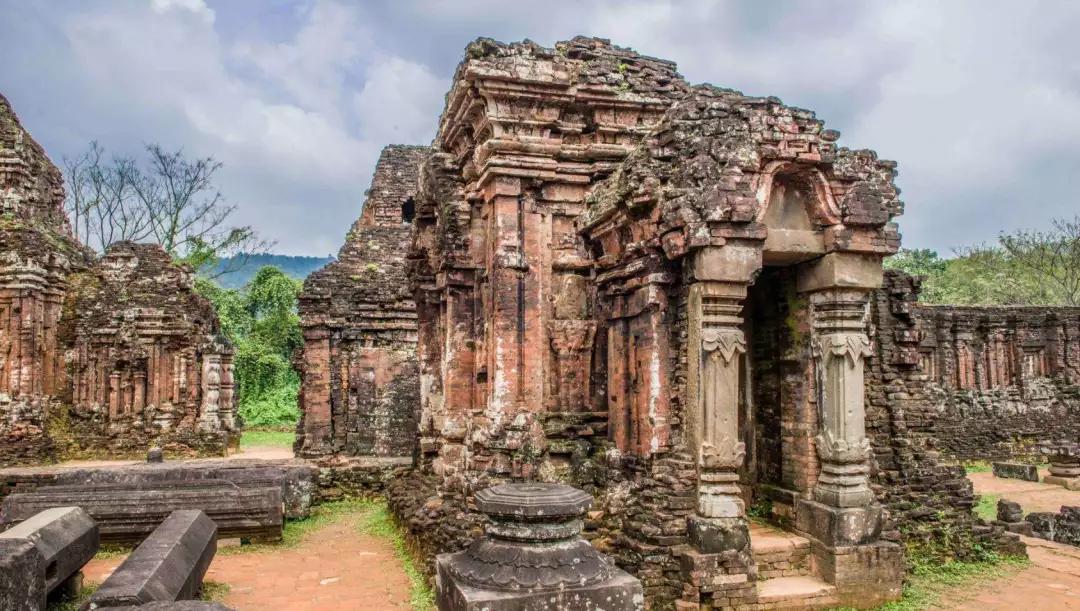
(22, 575)
(1014, 470)
(66, 537)
(128, 514)
(338, 567)
(169, 565)
(296, 478)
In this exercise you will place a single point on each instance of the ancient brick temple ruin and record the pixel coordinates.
(101, 355)
(148, 358)
(1002, 380)
(39, 253)
(361, 390)
(669, 296)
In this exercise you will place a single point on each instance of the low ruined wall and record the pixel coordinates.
(928, 498)
(981, 382)
(1002, 379)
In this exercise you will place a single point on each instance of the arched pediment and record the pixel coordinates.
(795, 205)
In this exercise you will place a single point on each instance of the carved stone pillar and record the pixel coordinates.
(840, 347)
(227, 401)
(716, 345)
(211, 392)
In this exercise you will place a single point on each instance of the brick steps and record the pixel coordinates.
(778, 553)
(802, 592)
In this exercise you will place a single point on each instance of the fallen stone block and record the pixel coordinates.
(128, 514)
(1010, 516)
(66, 537)
(168, 566)
(297, 479)
(1013, 470)
(22, 575)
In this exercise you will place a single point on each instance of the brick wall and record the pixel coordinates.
(360, 388)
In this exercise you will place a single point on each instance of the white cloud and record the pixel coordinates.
(978, 101)
(195, 6)
(400, 102)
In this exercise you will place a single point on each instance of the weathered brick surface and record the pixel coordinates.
(105, 354)
(360, 385)
(147, 360)
(555, 222)
(38, 253)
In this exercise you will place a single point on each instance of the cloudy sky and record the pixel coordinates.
(978, 101)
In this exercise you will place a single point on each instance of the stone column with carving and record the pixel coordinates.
(211, 392)
(840, 347)
(716, 346)
(842, 511)
(227, 401)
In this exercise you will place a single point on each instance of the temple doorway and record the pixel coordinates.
(774, 422)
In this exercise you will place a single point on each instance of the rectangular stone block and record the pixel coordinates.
(128, 514)
(1013, 470)
(297, 479)
(168, 566)
(65, 537)
(836, 526)
(22, 575)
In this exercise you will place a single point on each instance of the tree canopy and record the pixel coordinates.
(262, 322)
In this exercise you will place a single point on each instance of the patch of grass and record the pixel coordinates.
(88, 588)
(986, 508)
(264, 438)
(214, 591)
(379, 523)
(978, 466)
(295, 531)
(931, 583)
(111, 551)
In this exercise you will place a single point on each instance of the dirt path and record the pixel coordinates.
(335, 568)
(1032, 496)
(262, 452)
(1053, 580)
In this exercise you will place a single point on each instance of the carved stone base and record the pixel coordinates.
(865, 576)
(622, 591)
(836, 526)
(718, 535)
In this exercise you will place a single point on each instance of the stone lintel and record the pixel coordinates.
(840, 270)
(22, 575)
(731, 262)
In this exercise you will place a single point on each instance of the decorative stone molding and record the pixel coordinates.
(533, 557)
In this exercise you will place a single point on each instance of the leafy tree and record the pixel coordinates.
(925, 263)
(262, 323)
(1051, 257)
(1023, 268)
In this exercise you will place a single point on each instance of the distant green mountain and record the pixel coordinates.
(297, 267)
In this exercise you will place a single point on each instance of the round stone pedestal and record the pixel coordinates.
(1064, 464)
(533, 557)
